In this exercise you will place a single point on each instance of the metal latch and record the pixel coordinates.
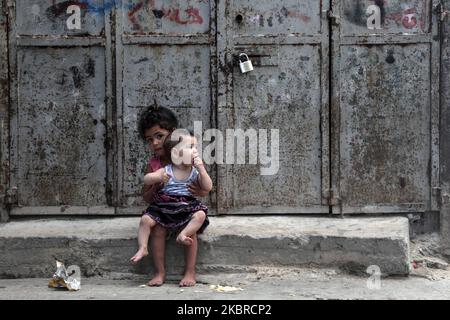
(333, 200)
(445, 199)
(440, 9)
(436, 191)
(334, 18)
(11, 196)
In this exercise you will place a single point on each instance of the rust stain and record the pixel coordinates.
(302, 17)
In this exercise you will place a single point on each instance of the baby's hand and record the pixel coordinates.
(165, 177)
(196, 160)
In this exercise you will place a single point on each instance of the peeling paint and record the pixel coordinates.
(61, 148)
(385, 121)
(386, 133)
(445, 119)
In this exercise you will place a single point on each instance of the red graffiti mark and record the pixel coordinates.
(174, 15)
(407, 18)
(132, 18)
(409, 22)
(195, 15)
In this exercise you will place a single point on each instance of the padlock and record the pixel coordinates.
(245, 65)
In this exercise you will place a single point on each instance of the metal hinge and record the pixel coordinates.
(11, 196)
(10, 3)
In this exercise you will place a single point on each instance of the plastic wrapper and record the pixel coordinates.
(224, 289)
(61, 279)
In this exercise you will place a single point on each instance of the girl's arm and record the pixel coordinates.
(150, 191)
(156, 177)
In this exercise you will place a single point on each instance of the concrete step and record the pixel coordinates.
(28, 248)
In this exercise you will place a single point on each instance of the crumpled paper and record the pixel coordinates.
(61, 279)
(224, 289)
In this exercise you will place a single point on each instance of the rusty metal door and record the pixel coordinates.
(4, 104)
(288, 44)
(165, 52)
(59, 108)
(76, 95)
(385, 107)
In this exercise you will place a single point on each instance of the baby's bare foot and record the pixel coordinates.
(188, 280)
(139, 255)
(157, 280)
(182, 239)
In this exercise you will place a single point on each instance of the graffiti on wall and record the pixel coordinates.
(378, 14)
(183, 14)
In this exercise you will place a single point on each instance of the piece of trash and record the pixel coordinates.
(61, 279)
(143, 286)
(435, 263)
(220, 288)
(414, 264)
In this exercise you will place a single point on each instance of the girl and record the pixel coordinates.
(155, 124)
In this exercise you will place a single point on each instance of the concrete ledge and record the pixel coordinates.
(98, 246)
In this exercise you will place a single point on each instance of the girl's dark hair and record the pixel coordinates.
(156, 115)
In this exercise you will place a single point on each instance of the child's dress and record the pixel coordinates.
(174, 205)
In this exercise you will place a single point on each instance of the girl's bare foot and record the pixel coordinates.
(157, 280)
(188, 279)
(182, 239)
(139, 255)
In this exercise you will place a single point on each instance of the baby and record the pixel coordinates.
(174, 207)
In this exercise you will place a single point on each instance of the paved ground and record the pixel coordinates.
(429, 279)
(264, 283)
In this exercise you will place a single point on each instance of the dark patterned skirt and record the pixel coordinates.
(174, 212)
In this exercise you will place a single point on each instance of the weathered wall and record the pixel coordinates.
(3, 108)
(48, 56)
(445, 133)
